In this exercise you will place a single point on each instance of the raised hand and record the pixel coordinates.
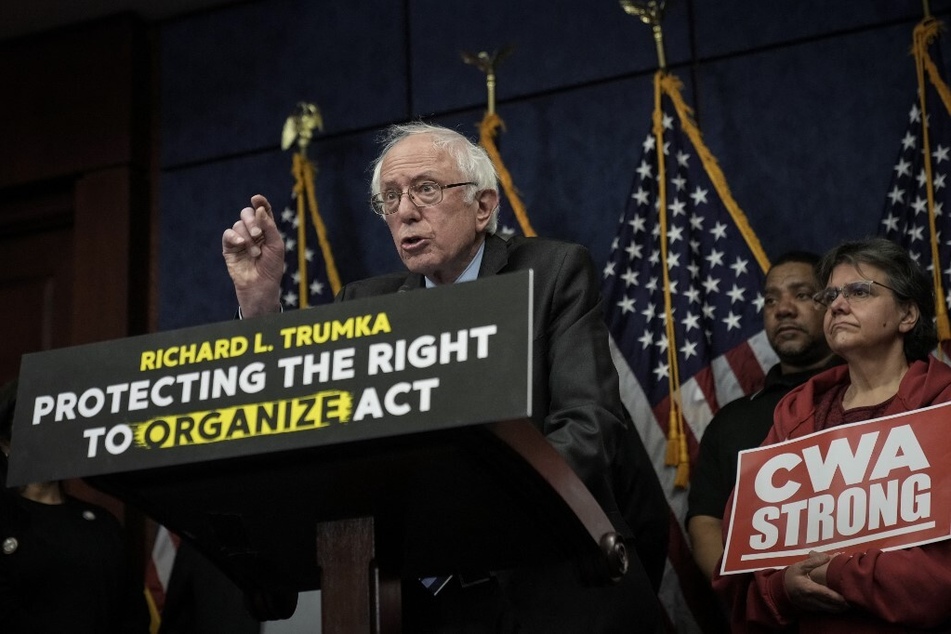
(254, 254)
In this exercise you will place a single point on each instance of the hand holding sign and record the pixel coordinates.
(805, 585)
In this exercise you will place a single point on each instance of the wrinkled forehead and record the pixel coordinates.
(414, 158)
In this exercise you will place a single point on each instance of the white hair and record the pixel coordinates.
(471, 159)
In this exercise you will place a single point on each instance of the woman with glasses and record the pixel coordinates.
(880, 311)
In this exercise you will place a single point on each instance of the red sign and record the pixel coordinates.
(883, 483)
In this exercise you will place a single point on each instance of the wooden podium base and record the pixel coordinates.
(355, 595)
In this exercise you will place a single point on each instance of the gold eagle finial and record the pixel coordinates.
(487, 63)
(300, 126)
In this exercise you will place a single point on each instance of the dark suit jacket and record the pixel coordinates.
(576, 403)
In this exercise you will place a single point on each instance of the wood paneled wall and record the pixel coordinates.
(76, 166)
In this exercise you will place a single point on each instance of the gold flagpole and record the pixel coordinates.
(487, 63)
(652, 13)
(299, 127)
(488, 130)
(924, 33)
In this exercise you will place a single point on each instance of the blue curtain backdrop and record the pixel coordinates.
(802, 101)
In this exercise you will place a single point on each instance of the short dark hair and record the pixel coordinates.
(800, 257)
(805, 257)
(905, 277)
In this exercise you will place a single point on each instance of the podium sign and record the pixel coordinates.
(363, 369)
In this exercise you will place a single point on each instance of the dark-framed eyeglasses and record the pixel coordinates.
(423, 194)
(851, 292)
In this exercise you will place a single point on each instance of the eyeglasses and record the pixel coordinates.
(424, 194)
(853, 291)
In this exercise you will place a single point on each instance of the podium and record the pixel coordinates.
(344, 447)
(353, 520)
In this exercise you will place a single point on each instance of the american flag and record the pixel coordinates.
(158, 571)
(508, 223)
(682, 291)
(310, 275)
(919, 190)
(513, 219)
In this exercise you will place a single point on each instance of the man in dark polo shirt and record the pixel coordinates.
(793, 324)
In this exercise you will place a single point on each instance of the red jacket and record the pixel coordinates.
(895, 591)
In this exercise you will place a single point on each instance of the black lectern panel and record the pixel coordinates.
(369, 368)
